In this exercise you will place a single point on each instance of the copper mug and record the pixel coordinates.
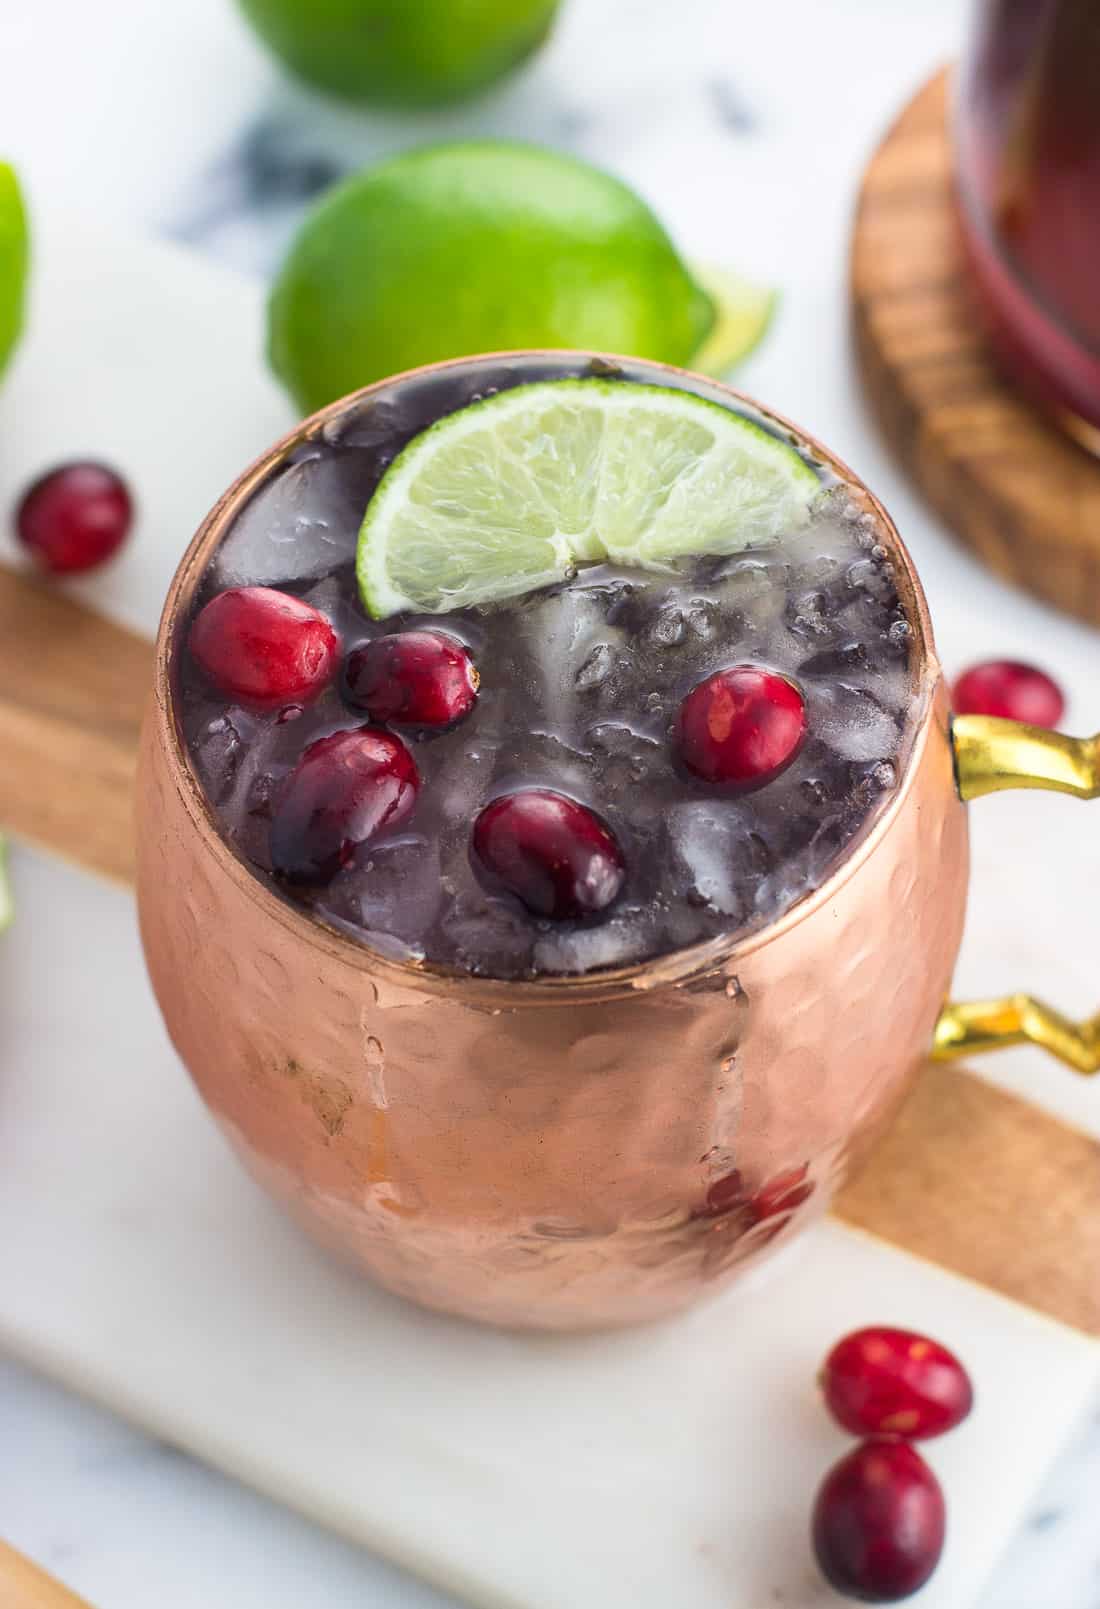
(573, 1152)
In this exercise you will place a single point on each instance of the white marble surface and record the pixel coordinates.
(745, 126)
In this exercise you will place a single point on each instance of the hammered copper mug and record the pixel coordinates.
(572, 1152)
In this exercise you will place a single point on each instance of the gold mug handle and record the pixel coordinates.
(990, 756)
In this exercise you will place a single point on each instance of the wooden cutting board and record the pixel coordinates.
(1021, 495)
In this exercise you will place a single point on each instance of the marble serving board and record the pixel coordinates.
(673, 1465)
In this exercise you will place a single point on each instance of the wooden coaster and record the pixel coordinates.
(1025, 498)
(971, 1178)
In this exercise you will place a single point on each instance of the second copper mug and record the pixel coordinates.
(581, 1151)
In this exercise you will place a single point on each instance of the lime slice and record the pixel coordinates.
(7, 907)
(743, 311)
(512, 493)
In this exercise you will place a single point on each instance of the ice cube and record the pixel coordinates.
(489, 935)
(460, 788)
(625, 937)
(707, 840)
(701, 619)
(218, 749)
(878, 780)
(301, 525)
(624, 757)
(395, 889)
(335, 596)
(560, 632)
(376, 425)
(852, 722)
(596, 668)
(667, 628)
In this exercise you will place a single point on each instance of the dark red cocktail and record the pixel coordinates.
(1028, 154)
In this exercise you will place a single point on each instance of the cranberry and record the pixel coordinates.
(75, 517)
(884, 1382)
(726, 1194)
(420, 678)
(1007, 687)
(555, 854)
(264, 648)
(345, 790)
(878, 1522)
(783, 1192)
(741, 727)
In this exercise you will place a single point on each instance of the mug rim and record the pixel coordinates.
(672, 969)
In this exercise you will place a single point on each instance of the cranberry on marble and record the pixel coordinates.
(889, 1382)
(879, 1522)
(75, 517)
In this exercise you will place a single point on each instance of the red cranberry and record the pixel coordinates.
(878, 1522)
(74, 517)
(889, 1382)
(783, 1192)
(345, 790)
(726, 1194)
(1006, 687)
(741, 727)
(419, 678)
(264, 648)
(555, 854)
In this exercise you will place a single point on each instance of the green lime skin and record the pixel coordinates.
(14, 254)
(401, 52)
(475, 247)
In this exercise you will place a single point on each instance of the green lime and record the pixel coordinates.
(7, 908)
(510, 493)
(467, 248)
(13, 261)
(401, 52)
(743, 311)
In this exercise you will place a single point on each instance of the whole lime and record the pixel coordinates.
(478, 247)
(401, 52)
(13, 261)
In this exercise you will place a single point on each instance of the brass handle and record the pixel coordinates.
(990, 756)
(24, 1586)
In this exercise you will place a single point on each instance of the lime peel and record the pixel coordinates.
(511, 493)
(14, 254)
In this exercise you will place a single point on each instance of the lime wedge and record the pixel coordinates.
(7, 907)
(512, 493)
(743, 311)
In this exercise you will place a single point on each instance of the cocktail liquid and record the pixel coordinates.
(580, 692)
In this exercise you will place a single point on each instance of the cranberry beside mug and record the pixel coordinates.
(562, 1152)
